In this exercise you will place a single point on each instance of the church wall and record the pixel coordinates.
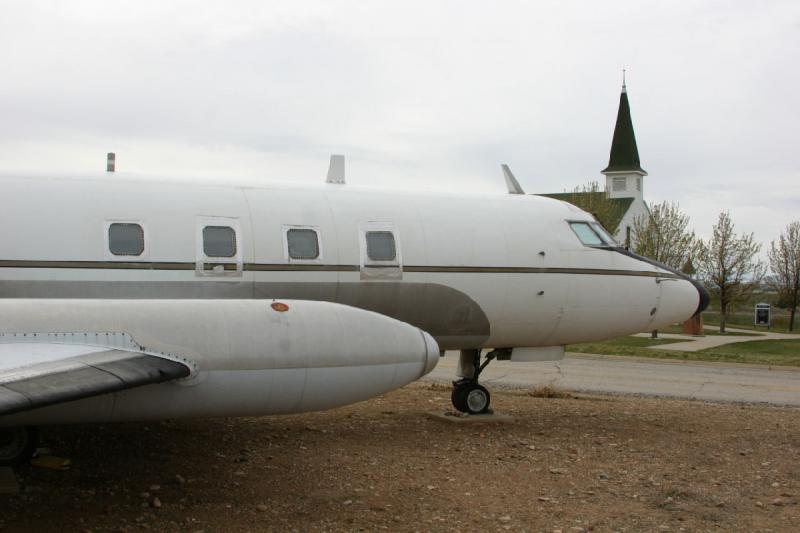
(637, 208)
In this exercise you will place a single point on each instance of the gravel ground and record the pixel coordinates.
(585, 463)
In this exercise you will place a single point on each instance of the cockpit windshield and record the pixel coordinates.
(592, 234)
(586, 234)
(609, 240)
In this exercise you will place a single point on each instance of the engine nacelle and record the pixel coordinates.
(248, 357)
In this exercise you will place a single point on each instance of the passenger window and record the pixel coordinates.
(586, 234)
(219, 241)
(125, 238)
(381, 246)
(303, 244)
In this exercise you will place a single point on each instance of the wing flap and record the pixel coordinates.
(90, 374)
(12, 401)
(143, 370)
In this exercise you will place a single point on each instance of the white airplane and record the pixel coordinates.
(123, 299)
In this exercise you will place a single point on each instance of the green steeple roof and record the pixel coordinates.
(624, 155)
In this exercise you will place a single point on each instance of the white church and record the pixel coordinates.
(624, 177)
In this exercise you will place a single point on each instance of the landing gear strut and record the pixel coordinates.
(468, 395)
(17, 445)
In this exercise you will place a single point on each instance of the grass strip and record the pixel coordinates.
(763, 352)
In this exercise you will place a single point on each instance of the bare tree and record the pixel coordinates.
(784, 261)
(664, 236)
(729, 265)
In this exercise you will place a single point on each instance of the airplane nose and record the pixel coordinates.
(677, 301)
(704, 297)
(679, 294)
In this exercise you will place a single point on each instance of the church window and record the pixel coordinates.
(619, 184)
(639, 184)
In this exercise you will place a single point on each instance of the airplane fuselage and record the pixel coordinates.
(472, 270)
(169, 266)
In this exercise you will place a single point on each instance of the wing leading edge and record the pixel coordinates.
(62, 379)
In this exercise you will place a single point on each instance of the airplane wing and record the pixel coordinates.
(37, 374)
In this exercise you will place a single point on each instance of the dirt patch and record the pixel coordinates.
(571, 464)
(549, 391)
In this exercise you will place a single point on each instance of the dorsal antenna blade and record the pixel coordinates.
(336, 170)
(511, 182)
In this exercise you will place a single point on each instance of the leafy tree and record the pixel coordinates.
(729, 265)
(784, 261)
(664, 236)
(688, 267)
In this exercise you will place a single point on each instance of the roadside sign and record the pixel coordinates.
(761, 315)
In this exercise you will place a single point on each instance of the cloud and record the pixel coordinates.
(429, 94)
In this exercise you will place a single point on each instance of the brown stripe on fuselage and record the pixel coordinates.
(112, 265)
(279, 267)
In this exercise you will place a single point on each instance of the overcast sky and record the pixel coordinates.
(422, 95)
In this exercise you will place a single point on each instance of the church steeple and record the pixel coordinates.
(624, 154)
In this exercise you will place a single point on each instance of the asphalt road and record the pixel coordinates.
(628, 375)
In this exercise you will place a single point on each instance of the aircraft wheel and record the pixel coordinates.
(458, 397)
(17, 445)
(470, 397)
(477, 399)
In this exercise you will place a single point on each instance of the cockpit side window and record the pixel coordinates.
(587, 235)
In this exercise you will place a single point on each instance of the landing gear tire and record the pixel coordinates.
(470, 397)
(477, 399)
(17, 445)
(458, 398)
